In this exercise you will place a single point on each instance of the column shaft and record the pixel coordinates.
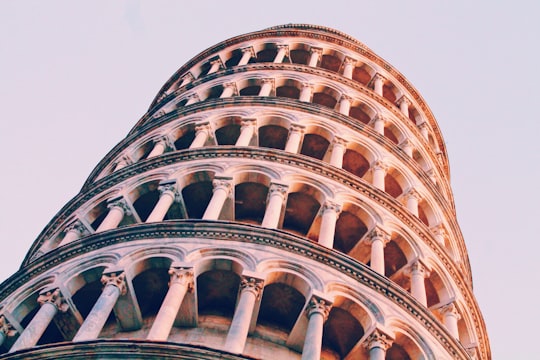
(275, 203)
(112, 220)
(247, 53)
(181, 281)
(202, 132)
(379, 173)
(328, 224)
(246, 133)
(338, 150)
(378, 125)
(282, 51)
(221, 192)
(266, 87)
(305, 93)
(163, 205)
(37, 326)
(377, 255)
(377, 353)
(314, 57)
(94, 322)
(159, 148)
(238, 332)
(378, 84)
(295, 137)
(418, 273)
(348, 68)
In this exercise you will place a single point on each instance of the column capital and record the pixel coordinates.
(308, 85)
(403, 100)
(417, 268)
(247, 122)
(231, 85)
(330, 205)
(282, 46)
(203, 126)
(182, 275)
(378, 339)
(349, 61)
(193, 96)
(115, 278)
(78, 227)
(345, 97)
(119, 202)
(5, 327)
(316, 50)
(378, 117)
(438, 229)
(252, 284)
(165, 140)
(318, 305)
(168, 186)
(187, 77)
(422, 125)
(377, 233)
(297, 128)
(53, 297)
(378, 77)
(379, 165)
(268, 81)
(412, 193)
(405, 143)
(450, 309)
(248, 49)
(339, 141)
(278, 188)
(225, 183)
(216, 60)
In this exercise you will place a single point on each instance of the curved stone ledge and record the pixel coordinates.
(336, 174)
(129, 349)
(284, 103)
(229, 231)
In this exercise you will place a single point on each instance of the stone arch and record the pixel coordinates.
(183, 136)
(352, 225)
(96, 210)
(407, 344)
(227, 130)
(363, 73)
(250, 194)
(325, 96)
(249, 86)
(361, 111)
(273, 131)
(196, 189)
(358, 159)
(316, 141)
(145, 196)
(303, 203)
(331, 59)
(288, 88)
(299, 53)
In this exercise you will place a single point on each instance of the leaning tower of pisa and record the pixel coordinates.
(286, 196)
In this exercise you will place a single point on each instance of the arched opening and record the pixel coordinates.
(362, 74)
(315, 146)
(234, 59)
(288, 90)
(389, 93)
(358, 113)
(196, 198)
(392, 186)
(217, 291)
(151, 286)
(228, 134)
(281, 305)
(355, 163)
(394, 258)
(397, 352)
(273, 136)
(324, 99)
(349, 230)
(266, 55)
(301, 209)
(184, 138)
(330, 62)
(342, 331)
(144, 198)
(300, 56)
(250, 202)
(98, 213)
(214, 92)
(252, 90)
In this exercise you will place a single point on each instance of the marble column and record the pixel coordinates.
(215, 65)
(50, 301)
(247, 54)
(276, 197)
(167, 196)
(6, 330)
(296, 132)
(114, 286)
(192, 99)
(159, 147)
(237, 336)
(314, 56)
(339, 146)
(229, 89)
(305, 92)
(345, 104)
(186, 79)
(317, 313)
(379, 169)
(330, 212)
(411, 201)
(181, 282)
(418, 273)
(202, 133)
(424, 130)
(74, 231)
(222, 189)
(348, 67)
(450, 318)
(403, 104)
(247, 129)
(378, 239)
(378, 123)
(266, 87)
(439, 233)
(377, 343)
(282, 51)
(407, 147)
(117, 209)
(378, 84)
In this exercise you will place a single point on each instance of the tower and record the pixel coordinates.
(286, 195)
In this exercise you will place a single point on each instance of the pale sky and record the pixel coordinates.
(75, 76)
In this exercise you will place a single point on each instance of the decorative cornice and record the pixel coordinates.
(230, 231)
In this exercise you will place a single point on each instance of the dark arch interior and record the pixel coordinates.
(361, 75)
(146, 203)
(273, 136)
(196, 198)
(330, 62)
(300, 56)
(359, 114)
(217, 291)
(280, 306)
(300, 211)
(324, 99)
(250, 202)
(151, 287)
(349, 230)
(392, 187)
(341, 332)
(184, 141)
(394, 258)
(396, 352)
(250, 90)
(228, 134)
(288, 92)
(355, 163)
(315, 146)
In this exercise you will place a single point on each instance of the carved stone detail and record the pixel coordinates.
(53, 297)
(117, 279)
